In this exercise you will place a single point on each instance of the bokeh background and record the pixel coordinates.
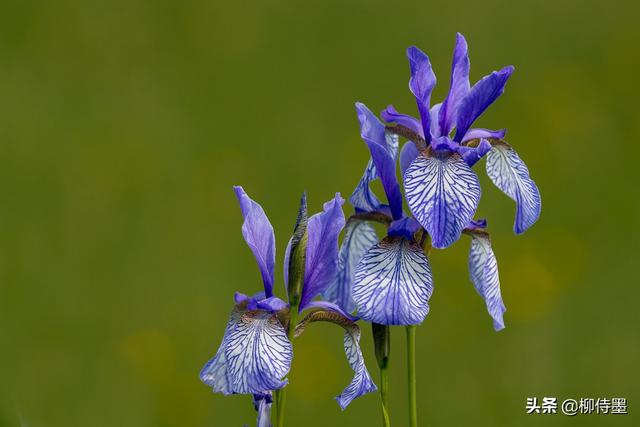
(124, 125)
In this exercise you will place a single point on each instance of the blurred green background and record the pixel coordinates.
(124, 125)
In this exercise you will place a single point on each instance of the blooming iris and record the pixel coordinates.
(256, 352)
(441, 189)
(390, 280)
(387, 281)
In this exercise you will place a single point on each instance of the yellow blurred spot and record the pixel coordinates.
(150, 353)
(317, 372)
(531, 286)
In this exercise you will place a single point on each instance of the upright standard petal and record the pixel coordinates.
(374, 135)
(322, 249)
(254, 356)
(421, 84)
(359, 236)
(442, 193)
(509, 173)
(258, 233)
(478, 99)
(361, 382)
(408, 154)
(434, 114)
(483, 271)
(363, 197)
(393, 283)
(459, 85)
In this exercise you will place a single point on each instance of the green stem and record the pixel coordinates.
(384, 394)
(281, 395)
(382, 346)
(411, 366)
(276, 405)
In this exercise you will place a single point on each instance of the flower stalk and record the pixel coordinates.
(281, 395)
(382, 344)
(411, 370)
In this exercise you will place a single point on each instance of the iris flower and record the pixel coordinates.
(441, 189)
(389, 281)
(256, 351)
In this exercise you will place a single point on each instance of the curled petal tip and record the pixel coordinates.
(412, 50)
(507, 71)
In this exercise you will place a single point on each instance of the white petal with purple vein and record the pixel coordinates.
(358, 238)
(443, 193)
(363, 197)
(214, 373)
(361, 382)
(393, 283)
(483, 271)
(509, 173)
(257, 354)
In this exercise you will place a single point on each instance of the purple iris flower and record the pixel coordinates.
(441, 189)
(389, 281)
(256, 354)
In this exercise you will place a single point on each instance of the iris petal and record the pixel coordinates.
(214, 373)
(405, 227)
(272, 304)
(471, 155)
(478, 133)
(321, 261)
(361, 382)
(442, 193)
(459, 85)
(262, 404)
(478, 99)
(363, 198)
(390, 114)
(258, 233)
(434, 113)
(254, 356)
(421, 84)
(483, 270)
(329, 312)
(408, 154)
(359, 236)
(330, 306)
(373, 133)
(393, 283)
(509, 173)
